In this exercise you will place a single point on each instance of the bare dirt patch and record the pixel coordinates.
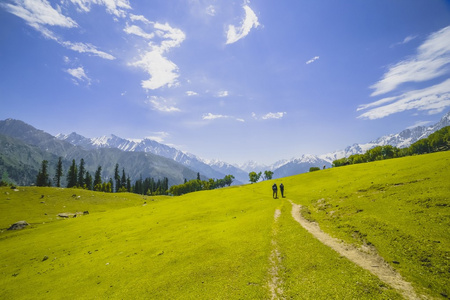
(366, 258)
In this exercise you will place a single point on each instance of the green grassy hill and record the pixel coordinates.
(233, 243)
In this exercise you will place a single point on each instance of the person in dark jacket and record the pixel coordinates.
(275, 191)
(282, 190)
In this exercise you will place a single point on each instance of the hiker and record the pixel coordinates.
(282, 190)
(275, 191)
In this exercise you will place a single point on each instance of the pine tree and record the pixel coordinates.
(166, 185)
(59, 172)
(88, 181)
(123, 179)
(42, 177)
(110, 186)
(98, 179)
(81, 173)
(117, 177)
(72, 175)
(128, 184)
(138, 186)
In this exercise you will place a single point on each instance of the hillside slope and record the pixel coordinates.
(30, 142)
(402, 139)
(150, 146)
(233, 243)
(20, 161)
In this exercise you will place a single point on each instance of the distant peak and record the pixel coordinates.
(137, 141)
(75, 134)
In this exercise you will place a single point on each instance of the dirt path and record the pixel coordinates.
(365, 258)
(274, 283)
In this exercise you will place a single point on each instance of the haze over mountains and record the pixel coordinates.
(281, 168)
(23, 148)
(400, 140)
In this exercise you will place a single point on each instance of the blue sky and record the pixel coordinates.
(230, 80)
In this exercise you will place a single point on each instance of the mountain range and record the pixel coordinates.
(148, 158)
(403, 139)
(23, 148)
(281, 168)
(210, 169)
(400, 140)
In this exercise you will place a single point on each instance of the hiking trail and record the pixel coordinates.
(366, 258)
(274, 282)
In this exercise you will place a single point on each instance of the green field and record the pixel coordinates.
(220, 244)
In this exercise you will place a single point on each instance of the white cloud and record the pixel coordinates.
(211, 10)
(173, 36)
(406, 40)
(271, 115)
(139, 18)
(162, 71)
(136, 30)
(79, 75)
(86, 48)
(222, 94)
(159, 136)
(210, 116)
(39, 12)
(161, 104)
(114, 7)
(312, 60)
(83, 5)
(268, 116)
(433, 99)
(191, 93)
(431, 61)
(250, 21)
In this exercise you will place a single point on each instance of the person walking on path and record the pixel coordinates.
(282, 190)
(275, 191)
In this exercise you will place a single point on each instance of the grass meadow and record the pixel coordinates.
(218, 244)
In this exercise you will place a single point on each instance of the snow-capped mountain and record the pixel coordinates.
(287, 167)
(226, 168)
(400, 140)
(150, 146)
(298, 165)
(403, 139)
(253, 166)
(281, 168)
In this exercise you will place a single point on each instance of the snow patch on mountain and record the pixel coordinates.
(150, 146)
(253, 166)
(214, 168)
(403, 139)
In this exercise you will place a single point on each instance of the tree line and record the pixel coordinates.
(196, 185)
(437, 141)
(78, 177)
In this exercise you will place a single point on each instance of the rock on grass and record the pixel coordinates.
(18, 225)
